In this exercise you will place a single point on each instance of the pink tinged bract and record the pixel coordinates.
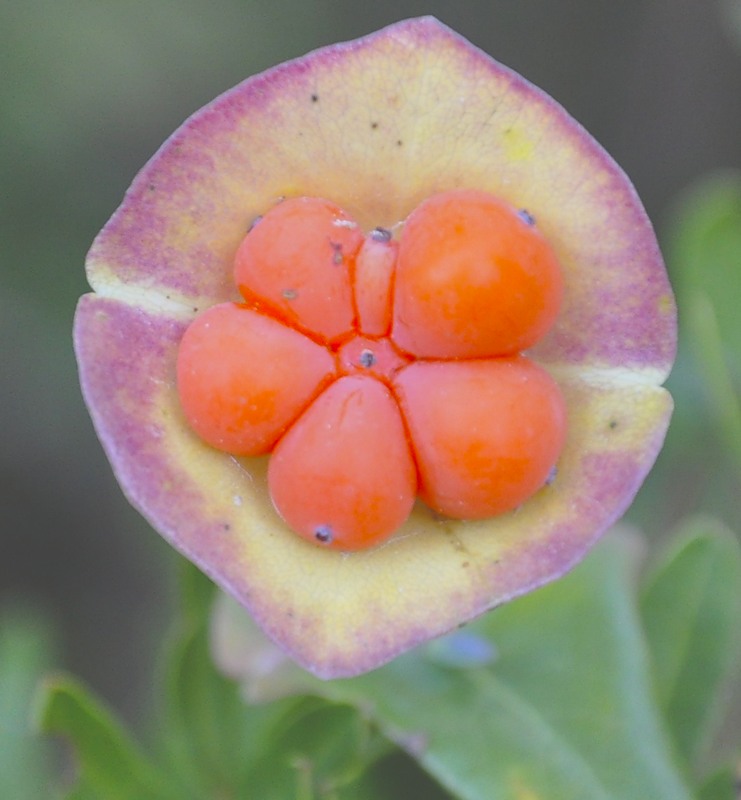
(376, 126)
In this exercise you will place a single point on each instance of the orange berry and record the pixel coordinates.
(485, 434)
(374, 271)
(243, 377)
(297, 264)
(343, 474)
(474, 278)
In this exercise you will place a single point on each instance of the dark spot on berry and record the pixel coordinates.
(254, 222)
(367, 359)
(314, 98)
(526, 217)
(381, 235)
(337, 258)
(323, 534)
(151, 187)
(289, 294)
(227, 526)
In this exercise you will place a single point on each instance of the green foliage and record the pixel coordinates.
(25, 651)
(218, 746)
(705, 252)
(565, 711)
(720, 786)
(591, 687)
(691, 606)
(209, 743)
(111, 763)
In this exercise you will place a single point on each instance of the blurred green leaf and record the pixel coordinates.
(720, 786)
(324, 752)
(708, 345)
(212, 738)
(566, 710)
(197, 592)
(111, 765)
(691, 609)
(25, 652)
(705, 254)
(204, 722)
(395, 776)
(705, 249)
(215, 745)
(82, 791)
(220, 746)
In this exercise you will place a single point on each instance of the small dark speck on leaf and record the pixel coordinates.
(613, 424)
(314, 98)
(227, 526)
(526, 217)
(151, 187)
(399, 143)
(381, 235)
(374, 125)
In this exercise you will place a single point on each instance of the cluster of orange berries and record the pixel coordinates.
(375, 369)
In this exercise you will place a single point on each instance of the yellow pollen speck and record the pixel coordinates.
(517, 145)
(666, 304)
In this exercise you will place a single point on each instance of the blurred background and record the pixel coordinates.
(90, 89)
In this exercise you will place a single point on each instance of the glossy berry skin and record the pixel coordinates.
(473, 279)
(297, 263)
(485, 433)
(243, 378)
(374, 273)
(343, 476)
(373, 368)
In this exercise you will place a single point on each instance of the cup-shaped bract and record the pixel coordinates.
(376, 126)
